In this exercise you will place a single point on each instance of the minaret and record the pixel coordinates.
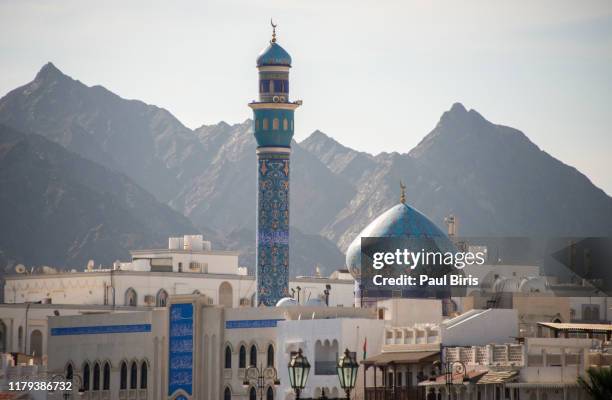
(273, 127)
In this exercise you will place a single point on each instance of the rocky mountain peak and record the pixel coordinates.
(321, 140)
(458, 114)
(50, 72)
(458, 109)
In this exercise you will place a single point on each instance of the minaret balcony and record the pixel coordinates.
(256, 105)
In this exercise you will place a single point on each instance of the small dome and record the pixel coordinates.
(534, 284)
(274, 54)
(400, 221)
(506, 285)
(314, 303)
(286, 302)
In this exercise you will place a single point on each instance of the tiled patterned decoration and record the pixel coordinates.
(273, 228)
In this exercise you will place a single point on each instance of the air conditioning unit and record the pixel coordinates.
(149, 299)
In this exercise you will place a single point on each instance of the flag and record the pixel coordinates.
(365, 347)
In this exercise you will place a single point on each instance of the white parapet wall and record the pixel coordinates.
(478, 327)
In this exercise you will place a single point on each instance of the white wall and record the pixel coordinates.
(407, 312)
(348, 332)
(340, 295)
(114, 348)
(479, 327)
(90, 287)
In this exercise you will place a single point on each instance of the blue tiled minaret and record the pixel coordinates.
(273, 127)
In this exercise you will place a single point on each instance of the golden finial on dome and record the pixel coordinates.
(273, 30)
(402, 193)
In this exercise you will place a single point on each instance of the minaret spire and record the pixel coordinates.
(402, 193)
(273, 31)
(273, 129)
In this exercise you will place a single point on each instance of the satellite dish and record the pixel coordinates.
(20, 269)
(90, 265)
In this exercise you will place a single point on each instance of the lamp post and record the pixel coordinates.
(347, 372)
(298, 367)
(260, 376)
(450, 368)
(326, 292)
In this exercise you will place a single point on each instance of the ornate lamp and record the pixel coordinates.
(347, 368)
(299, 367)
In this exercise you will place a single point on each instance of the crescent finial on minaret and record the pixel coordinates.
(402, 193)
(273, 30)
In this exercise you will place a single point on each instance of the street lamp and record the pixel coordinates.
(452, 368)
(347, 372)
(326, 292)
(260, 376)
(299, 367)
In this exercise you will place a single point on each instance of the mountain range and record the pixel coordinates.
(492, 177)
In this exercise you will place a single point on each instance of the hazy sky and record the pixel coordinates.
(375, 75)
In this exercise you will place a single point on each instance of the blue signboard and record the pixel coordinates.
(180, 354)
(252, 323)
(100, 329)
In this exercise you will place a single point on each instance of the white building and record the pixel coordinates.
(138, 355)
(188, 266)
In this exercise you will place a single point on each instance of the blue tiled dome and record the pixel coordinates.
(399, 221)
(274, 54)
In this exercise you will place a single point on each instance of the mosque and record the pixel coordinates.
(187, 323)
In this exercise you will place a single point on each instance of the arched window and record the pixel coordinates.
(20, 338)
(275, 124)
(265, 124)
(131, 297)
(69, 372)
(270, 360)
(252, 394)
(227, 394)
(278, 85)
(228, 357)
(226, 295)
(253, 356)
(269, 393)
(96, 377)
(285, 124)
(106, 377)
(123, 378)
(2, 337)
(86, 377)
(36, 343)
(143, 375)
(134, 376)
(162, 298)
(242, 357)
